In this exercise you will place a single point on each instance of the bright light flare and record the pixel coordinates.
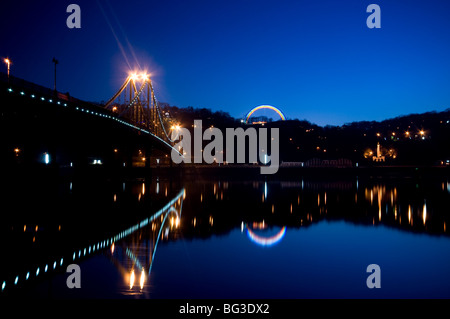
(142, 279)
(132, 278)
(142, 76)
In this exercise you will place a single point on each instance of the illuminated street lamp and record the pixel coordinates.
(8, 63)
(422, 134)
(175, 130)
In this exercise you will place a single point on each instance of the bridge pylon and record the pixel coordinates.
(136, 103)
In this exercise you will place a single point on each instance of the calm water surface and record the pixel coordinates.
(217, 238)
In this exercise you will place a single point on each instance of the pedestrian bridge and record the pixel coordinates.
(50, 127)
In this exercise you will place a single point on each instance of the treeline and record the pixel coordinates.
(415, 139)
(186, 116)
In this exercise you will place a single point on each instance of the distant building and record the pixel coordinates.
(258, 120)
(341, 162)
(379, 157)
(292, 164)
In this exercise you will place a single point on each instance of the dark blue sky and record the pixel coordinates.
(315, 60)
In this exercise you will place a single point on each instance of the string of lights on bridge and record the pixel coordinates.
(94, 113)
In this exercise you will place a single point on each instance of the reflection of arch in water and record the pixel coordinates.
(266, 241)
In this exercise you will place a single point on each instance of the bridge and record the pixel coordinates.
(52, 128)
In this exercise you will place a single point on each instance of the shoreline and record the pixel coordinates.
(214, 171)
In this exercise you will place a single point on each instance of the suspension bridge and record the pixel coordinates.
(49, 127)
(139, 106)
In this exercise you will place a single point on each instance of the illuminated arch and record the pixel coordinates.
(266, 241)
(273, 108)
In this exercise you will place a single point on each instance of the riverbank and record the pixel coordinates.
(230, 172)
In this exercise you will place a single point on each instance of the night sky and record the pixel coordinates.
(315, 60)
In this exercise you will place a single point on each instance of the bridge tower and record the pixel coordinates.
(136, 103)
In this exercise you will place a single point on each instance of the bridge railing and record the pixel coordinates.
(36, 88)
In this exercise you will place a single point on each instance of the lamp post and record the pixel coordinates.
(56, 62)
(8, 63)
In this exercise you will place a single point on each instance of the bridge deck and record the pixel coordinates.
(38, 121)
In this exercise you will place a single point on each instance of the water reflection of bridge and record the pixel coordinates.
(134, 255)
(137, 257)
